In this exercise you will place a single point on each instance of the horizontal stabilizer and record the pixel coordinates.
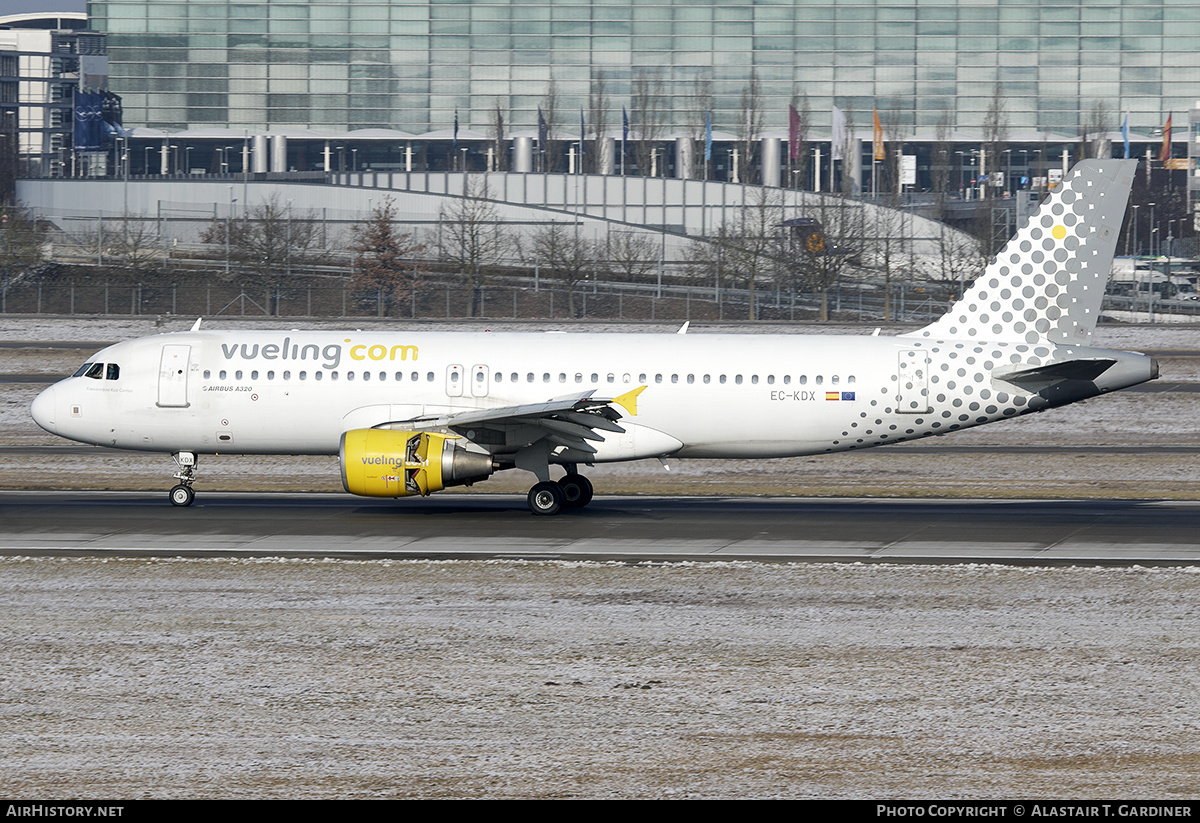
(1039, 378)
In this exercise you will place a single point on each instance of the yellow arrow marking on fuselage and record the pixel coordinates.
(628, 401)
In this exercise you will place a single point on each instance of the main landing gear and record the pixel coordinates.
(182, 494)
(572, 492)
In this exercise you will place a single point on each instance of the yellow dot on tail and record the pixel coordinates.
(1059, 232)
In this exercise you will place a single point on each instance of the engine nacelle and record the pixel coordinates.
(385, 463)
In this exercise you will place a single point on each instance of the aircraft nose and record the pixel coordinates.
(43, 410)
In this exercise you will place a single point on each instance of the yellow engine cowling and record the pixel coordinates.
(385, 463)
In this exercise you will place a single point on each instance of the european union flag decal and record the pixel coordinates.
(847, 395)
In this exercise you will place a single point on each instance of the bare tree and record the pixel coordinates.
(598, 111)
(995, 128)
(798, 159)
(135, 243)
(751, 126)
(21, 242)
(648, 116)
(501, 158)
(631, 255)
(471, 238)
(560, 251)
(386, 268)
(826, 243)
(549, 110)
(746, 250)
(700, 105)
(269, 240)
(1097, 123)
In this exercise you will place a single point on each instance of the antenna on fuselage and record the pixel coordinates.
(683, 329)
(196, 325)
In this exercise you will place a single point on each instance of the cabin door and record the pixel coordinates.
(173, 376)
(912, 382)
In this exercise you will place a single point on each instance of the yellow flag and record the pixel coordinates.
(879, 153)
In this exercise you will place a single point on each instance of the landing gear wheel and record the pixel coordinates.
(576, 490)
(546, 498)
(182, 495)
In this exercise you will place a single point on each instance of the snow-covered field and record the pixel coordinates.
(236, 678)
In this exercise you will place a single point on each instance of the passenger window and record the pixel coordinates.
(626, 378)
(642, 379)
(545, 377)
(332, 375)
(707, 378)
(835, 380)
(754, 379)
(415, 377)
(658, 378)
(287, 375)
(383, 375)
(674, 378)
(318, 375)
(499, 377)
(271, 375)
(738, 379)
(207, 374)
(222, 374)
(479, 377)
(770, 379)
(429, 376)
(529, 377)
(787, 379)
(578, 378)
(349, 375)
(237, 375)
(722, 379)
(596, 378)
(612, 378)
(850, 379)
(818, 379)
(691, 378)
(803, 380)
(254, 374)
(562, 378)
(366, 375)
(113, 372)
(303, 375)
(82, 370)
(399, 376)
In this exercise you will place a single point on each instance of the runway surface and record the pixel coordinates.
(632, 529)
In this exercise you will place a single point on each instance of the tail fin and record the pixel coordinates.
(1047, 282)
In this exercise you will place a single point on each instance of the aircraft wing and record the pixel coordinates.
(569, 421)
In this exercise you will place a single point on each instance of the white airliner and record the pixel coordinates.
(410, 413)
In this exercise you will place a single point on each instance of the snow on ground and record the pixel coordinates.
(234, 678)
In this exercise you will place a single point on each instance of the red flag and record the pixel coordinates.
(794, 136)
(1165, 154)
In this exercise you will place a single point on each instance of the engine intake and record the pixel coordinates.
(386, 463)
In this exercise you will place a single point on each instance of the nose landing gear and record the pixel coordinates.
(182, 494)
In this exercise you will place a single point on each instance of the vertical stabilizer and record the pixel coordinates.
(1047, 282)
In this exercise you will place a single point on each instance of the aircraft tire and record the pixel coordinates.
(182, 495)
(546, 498)
(577, 491)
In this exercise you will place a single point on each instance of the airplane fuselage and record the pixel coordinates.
(722, 396)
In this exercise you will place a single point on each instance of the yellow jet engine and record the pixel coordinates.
(385, 463)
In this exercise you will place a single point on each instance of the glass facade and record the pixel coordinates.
(412, 65)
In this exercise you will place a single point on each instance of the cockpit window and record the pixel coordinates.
(96, 372)
(82, 370)
(112, 372)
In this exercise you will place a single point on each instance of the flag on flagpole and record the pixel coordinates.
(879, 152)
(582, 139)
(1125, 134)
(707, 136)
(1165, 154)
(454, 143)
(838, 133)
(624, 135)
(793, 133)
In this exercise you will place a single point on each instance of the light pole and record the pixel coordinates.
(1153, 229)
(1135, 228)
